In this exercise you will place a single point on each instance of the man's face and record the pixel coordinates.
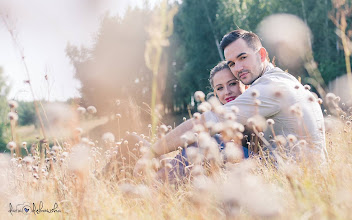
(245, 63)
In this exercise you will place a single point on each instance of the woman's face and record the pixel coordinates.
(226, 86)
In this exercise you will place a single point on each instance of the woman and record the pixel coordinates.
(226, 88)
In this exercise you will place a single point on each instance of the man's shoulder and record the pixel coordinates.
(276, 75)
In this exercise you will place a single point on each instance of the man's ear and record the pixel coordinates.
(263, 54)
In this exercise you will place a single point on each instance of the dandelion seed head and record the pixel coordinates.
(197, 170)
(108, 137)
(11, 145)
(307, 87)
(118, 116)
(291, 138)
(24, 144)
(81, 110)
(79, 131)
(163, 129)
(197, 115)
(320, 101)
(230, 116)
(257, 102)
(255, 93)
(204, 106)
(280, 140)
(184, 118)
(13, 104)
(199, 96)
(91, 110)
(270, 121)
(233, 152)
(12, 116)
(258, 122)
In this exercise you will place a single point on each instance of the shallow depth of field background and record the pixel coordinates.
(84, 75)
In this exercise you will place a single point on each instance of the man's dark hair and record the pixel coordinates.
(251, 39)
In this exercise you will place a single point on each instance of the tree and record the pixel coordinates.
(114, 68)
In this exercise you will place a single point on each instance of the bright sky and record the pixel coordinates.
(43, 28)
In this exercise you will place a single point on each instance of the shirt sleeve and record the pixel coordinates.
(268, 105)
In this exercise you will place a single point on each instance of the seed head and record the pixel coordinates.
(255, 93)
(197, 115)
(280, 140)
(163, 129)
(320, 101)
(24, 144)
(184, 118)
(12, 116)
(204, 106)
(118, 116)
(108, 137)
(81, 110)
(13, 104)
(270, 121)
(11, 145)
(91, 109)
(199, 96)
(307, 87)
(257, 102)
(291, 138)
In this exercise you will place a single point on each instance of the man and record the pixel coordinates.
(273, 94)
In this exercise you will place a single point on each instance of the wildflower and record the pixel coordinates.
(277, 93)
(320, 101)
(197, 170)
(230, 116)
(255, 93)
(118, 116)
(197, 115)
(270, 121)
(235, 109)
(233, 153)
(280, 140)
(28, 160)
(12, 116)
(163, 129)
(24, 144)
(11, 145)
(307, 87)
(258, 122)
(79, 131)
(291, 138)
(92, 109)
(204, 106)
(199, 96)
(81, 110)
(13, 104)
(108, 137)
(56, 148)
(257, 102)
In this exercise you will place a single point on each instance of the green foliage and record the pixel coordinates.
(4, 109)
(26, 113)
(193, 50)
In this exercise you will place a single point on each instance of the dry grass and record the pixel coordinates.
(76, 177)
